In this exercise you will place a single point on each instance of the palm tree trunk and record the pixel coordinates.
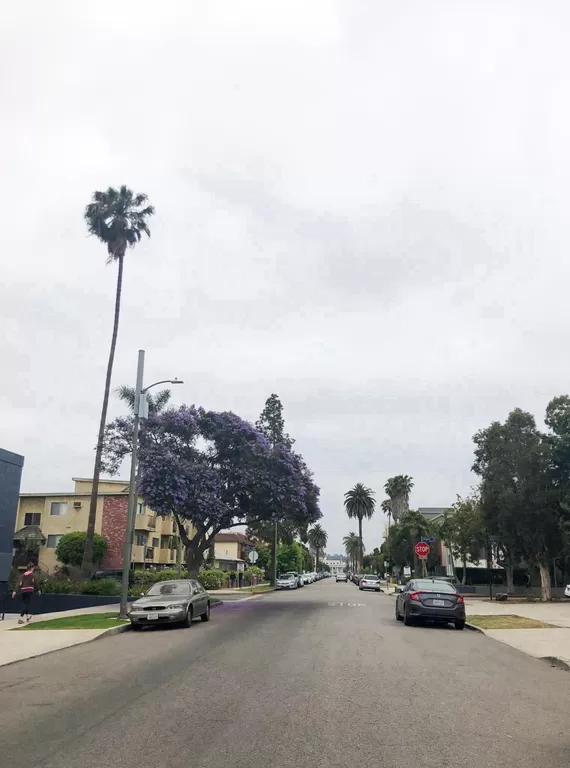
(87, 564)
(361, 546)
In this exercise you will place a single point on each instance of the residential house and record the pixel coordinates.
(337, 563)
(231, 551)
(44, 518)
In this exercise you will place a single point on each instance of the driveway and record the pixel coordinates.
(322, 677)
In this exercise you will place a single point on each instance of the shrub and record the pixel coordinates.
(211, 578)
(252, 573)
(58, 586)
(69, 550)
(100, 587)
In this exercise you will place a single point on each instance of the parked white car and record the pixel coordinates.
(567, 590)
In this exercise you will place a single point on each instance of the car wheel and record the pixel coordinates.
(188, 618)
(361, 589)
(206, 616)
(136, 627)
(399, 617)
(407, 620)
(459, 625)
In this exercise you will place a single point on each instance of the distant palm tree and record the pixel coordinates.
(352, 546)
(118, 218)
(359, 503)
(398, 489)
(386, 507)
(156, 403)
(317, 538)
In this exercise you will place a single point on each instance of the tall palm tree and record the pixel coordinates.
(398, 489)
(118, 218)
(359, 503)
(317, 538)
(352, 545)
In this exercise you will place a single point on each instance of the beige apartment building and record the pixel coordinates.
(46, 517)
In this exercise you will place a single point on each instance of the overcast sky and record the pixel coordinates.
(361, 205)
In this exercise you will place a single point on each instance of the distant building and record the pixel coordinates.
(44, 518)
(337, 563)
(448, 562)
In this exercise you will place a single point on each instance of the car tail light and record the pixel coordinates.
(415, 596)
(460, 600)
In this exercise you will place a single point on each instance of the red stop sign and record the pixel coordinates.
(422, 550)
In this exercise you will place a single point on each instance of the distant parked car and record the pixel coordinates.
(171, 602)
(113, 573)
(342, 577)
(370, 582)
(287, 581)
(297, 577)
(429, 599)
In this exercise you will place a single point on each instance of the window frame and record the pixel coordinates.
(58, 504)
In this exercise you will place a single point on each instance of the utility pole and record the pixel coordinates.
(275, 555)
(132, 488)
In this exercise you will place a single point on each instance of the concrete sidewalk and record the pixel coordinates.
(16, 646)
(552, 645)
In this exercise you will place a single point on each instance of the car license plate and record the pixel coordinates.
(439, 603)
(152, 616)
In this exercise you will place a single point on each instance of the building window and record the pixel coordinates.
(141, 540)
(32, 518)
(53, 540)
(156, 542)
(58, 508)
(141, 508)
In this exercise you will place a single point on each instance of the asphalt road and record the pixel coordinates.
(323, 676)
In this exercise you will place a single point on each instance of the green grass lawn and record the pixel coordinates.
(507, 622)
(84, 621)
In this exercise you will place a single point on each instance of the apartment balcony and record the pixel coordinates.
(167, 556)
(145, 522)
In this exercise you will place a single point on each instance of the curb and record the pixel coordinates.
(473, 628)
(216, 604)
(554, 661)
(105, 633)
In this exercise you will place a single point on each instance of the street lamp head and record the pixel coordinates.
(176, 381)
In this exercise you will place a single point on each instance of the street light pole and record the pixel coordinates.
(139, 412)
(132, 489)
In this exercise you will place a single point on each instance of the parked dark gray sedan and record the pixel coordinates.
(171, 602)
(430, 599)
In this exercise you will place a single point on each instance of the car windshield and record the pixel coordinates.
(179, 589)
(429, 585)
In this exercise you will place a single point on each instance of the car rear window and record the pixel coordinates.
(435, 586)
(372, 578)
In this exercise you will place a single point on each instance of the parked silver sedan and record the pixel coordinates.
(171, 602)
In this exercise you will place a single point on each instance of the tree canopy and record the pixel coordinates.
(71, 546)
(217, 471)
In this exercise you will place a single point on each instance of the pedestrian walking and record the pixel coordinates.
(240, 579)
(232, 579)
(26, 586)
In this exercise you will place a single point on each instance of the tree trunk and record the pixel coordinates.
(194, 557)
(545, 587)
(509, 573)
(87, 564)
(361, 547)
(464, 576)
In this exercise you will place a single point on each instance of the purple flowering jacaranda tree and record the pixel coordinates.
(217, 471)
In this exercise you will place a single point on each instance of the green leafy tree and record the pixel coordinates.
(359, 504)
(119, 219)
(290, 557)
(404, 536)
(318, 539)
(398, 489)
(70, 548)
(521, 497)
(463, 530)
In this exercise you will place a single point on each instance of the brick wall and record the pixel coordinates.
(113, 527)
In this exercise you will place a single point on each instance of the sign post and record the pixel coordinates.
(422, 551)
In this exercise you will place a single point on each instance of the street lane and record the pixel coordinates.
(323, 676)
